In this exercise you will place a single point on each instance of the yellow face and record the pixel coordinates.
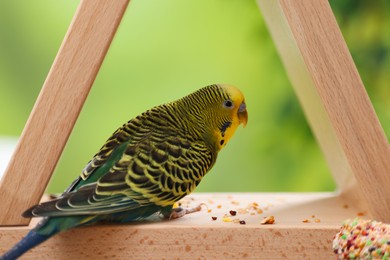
(235, 110)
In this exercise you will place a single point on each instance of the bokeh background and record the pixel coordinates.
(164, 50)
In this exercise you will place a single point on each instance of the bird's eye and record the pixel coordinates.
(228, 104)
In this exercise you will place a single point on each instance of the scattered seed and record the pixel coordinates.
(214, 218)
(235, 202)
(242, 222)
(317, 220)
(219, 206)
(313, 216)
(225, 218)
(268, 220)
(209, 210)
(233, 213)
(259, 211)
(360, 214)
(306, 221)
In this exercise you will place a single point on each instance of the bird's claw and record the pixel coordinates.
(181, 212)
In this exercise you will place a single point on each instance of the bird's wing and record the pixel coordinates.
(110, 152)
(84, 201)
(161, 170)
(157, 171)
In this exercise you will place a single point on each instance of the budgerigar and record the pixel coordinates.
(146, 166)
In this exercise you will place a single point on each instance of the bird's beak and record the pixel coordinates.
(242, 114)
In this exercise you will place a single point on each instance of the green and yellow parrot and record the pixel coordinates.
(146, 166)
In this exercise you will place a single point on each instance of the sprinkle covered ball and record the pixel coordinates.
(362, 239)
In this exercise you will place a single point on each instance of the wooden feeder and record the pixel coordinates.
(335, 103)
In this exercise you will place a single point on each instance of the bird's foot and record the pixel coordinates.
(181, 212)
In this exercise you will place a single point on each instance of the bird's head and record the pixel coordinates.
(217, 110)
(230, 113)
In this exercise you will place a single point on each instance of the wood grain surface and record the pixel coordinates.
(197, 236)
(333, 98)
(58, 106)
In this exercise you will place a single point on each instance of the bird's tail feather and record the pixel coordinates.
(31, 240)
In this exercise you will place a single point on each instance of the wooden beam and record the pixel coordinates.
(58, 106)
(197, 236)
(334, 99)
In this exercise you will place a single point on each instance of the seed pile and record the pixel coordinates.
(232, 215)
(362, 239)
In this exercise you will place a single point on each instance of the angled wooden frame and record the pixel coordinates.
(58, 106)
(334, 100)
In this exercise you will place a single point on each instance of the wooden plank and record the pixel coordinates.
(58, 106)
(334, 99)
(198, 236)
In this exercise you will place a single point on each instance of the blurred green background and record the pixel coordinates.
(164, 50)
